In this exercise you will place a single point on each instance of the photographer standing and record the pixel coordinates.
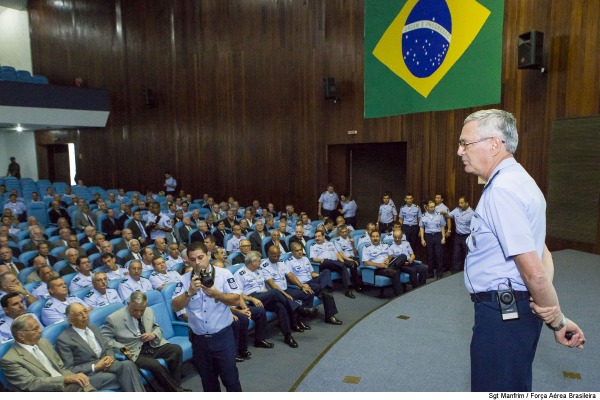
(157, 223)
(207, 292)
(508, 262)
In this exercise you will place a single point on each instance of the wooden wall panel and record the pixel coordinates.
(238, 87)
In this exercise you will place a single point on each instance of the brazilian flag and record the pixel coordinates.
(431, 55)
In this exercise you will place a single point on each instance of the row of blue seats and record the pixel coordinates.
(174, 331)
(8, 73)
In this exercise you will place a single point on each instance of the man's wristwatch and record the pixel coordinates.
(563, 323)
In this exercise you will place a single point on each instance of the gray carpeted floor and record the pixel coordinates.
(429, 351)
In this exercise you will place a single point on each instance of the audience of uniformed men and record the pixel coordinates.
(85, 358)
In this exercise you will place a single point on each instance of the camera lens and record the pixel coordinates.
(506, 298)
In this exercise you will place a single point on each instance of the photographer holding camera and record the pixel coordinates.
(157, 223)
(207, 292)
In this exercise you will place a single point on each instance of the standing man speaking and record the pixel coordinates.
(508, 261)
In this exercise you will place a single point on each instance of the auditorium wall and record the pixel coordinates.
(237, 103)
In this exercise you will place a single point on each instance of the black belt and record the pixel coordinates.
(462, 234)
(209, 335)
(492, 296)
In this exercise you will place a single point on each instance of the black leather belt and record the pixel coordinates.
(492, 296)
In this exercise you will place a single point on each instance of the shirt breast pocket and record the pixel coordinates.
(476, 230)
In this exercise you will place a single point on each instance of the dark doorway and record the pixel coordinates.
(58, 163)
(367, 171)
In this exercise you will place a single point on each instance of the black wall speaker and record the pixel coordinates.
(330, 89)
(531, 50)
(149, 98)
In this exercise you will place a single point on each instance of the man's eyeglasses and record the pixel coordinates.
(463, 145)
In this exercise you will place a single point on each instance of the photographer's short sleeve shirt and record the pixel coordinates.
(205, 314)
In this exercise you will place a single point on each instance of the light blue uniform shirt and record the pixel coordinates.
(387, 212)
(80, 281)
(55, 310)
(376, 254)
(510, 219)
(277, 272)
(249, 282)
(158, 280)
(325, 251)
(344, 246)
(301, 267)
(206, 315)
(432, 222)
(130, 285)
(462, 219)
(329, 200)
(94, 299)
(402, 248)
(410, 215)
(349, 209)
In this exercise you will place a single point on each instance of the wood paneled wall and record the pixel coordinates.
(238, 86)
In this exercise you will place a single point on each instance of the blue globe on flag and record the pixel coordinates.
(426, 37)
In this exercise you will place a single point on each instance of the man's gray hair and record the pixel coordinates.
(252, 256)
(496, 123)
(138, 297)
(19, 324)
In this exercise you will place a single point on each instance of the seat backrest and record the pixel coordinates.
(39, 211)
(232, 256)
(357, 233)
(87, 246)
(285, 256)
(167, 293)
(161, 313)
(36, 308)
(146, 274)
(309, 244)
(58, 251)
(114, 283)
(233, 268)
(98, 315)
(51, 332)
(24, 273)
(60, 265)
(4, 347)
(69, 277)
(27, 256)
(262, 245)
(123, 253)
(81, 293)
(116, 241)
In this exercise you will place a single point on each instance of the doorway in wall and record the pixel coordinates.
(59, 163)
(367, 171)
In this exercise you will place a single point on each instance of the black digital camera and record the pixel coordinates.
(207, 279)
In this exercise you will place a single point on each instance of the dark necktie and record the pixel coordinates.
(146, 349)
(90, 220)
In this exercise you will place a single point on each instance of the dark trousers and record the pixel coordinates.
(169, 378)
(341, 268)
(214, 357)
(416, 272)
(259, 316)
(306, 299)
(329, 213)
(502, 352)
(459, 252)
(435, 253)
(412, 235)
(275, 301)
(240, 332)
(384, 228)
(318, 285)
(351, 221)
(393, 272)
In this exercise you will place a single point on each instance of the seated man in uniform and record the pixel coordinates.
(400, 246)
(13, 307)
(300, 266)
(40, 290)
(134, 281)
(112, 269)
(378, 255)
(277, 275)
(55, 308)
(83, 278)
(101, 295)
(325, 253)
(251, 285)
(83, 349)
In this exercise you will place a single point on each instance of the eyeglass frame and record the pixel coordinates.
(462, 144)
